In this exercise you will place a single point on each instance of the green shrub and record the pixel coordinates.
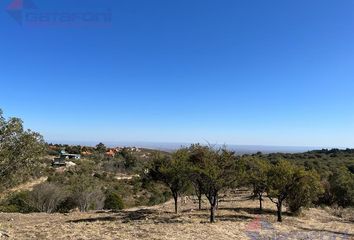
(68, 204)
(342, 187)
(19, 202)
(113, 201)
(305, 192)
(158, 197)
(8, 208)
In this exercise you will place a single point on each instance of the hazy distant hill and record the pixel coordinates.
(240, 149)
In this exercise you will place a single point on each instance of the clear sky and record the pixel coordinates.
(253, 72)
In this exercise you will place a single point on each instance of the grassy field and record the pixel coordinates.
(237, 218)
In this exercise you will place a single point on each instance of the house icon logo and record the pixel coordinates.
(16, 9)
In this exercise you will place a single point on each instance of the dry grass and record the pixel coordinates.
(236, 219)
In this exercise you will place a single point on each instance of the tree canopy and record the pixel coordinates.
(19, 150)
(215, 170)
(172, 172)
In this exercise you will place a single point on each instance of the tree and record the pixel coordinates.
(101, 148)
(171, 172)
(257, 170)
(216, 170)
(305, 191)
(19, 151)
(130, 161)
(196, 153)
(73, 149)
(285, 181)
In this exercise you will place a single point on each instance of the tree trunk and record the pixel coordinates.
(200, 201)
(279, 208)
(213, 205)
(212, 213)
(260, 203)
(175, 197)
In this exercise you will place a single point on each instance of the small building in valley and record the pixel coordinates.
(64, 156)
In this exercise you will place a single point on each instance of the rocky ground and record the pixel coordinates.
(236, 219)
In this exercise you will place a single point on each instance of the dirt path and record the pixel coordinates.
(126, 177)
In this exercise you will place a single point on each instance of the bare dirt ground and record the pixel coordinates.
(236, 219)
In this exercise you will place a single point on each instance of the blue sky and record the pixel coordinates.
(249, 72)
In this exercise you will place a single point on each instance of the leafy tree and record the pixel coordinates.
(130, 161)
(305, 191)
(288, 182)
(73, 149)
(101, 148)
(196, 154)
(282, 179)
(217, 170)
(171, 172)
(19, 151)
(257, 171)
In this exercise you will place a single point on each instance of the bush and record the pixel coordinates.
(305, 192)
(18, 202)
(68, 204)
(8, 208)
(47, 197)
(158, 197)
(113, 201)
(87, 193)
(342, 187)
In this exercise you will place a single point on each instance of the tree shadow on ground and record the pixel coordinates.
(96, 219)
(156, 217)
(256, 211)
(194, 210)
(219, 217)
(136, 216)
(343, 234)
(232, 218)
(153, 215)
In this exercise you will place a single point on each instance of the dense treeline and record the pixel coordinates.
(336, 170)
